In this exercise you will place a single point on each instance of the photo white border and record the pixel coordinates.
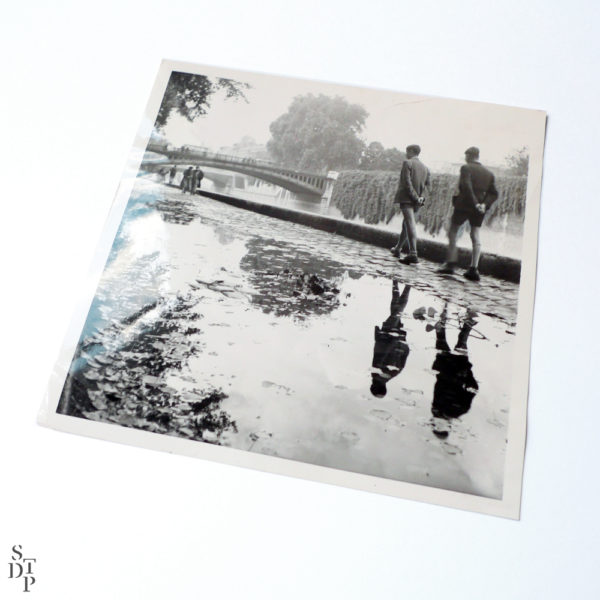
(508, 506)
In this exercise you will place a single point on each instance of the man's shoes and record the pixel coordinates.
(395, 251)
(447, 269)
(411, 259)
(472, 274)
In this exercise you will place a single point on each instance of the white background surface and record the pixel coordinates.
(110, 521)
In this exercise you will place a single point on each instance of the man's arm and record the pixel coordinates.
(406, 181)
(491, 195)
(466, 187)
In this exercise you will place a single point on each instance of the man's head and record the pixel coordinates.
(413, 150)
(472, 154)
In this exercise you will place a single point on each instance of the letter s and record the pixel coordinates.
(17, 552)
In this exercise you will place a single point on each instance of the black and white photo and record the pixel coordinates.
(318, 280)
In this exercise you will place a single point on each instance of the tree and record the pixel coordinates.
(377, 158)
(189, 95)
(318, 133)
(518, 163)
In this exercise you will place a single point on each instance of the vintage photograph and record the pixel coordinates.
(336, 276)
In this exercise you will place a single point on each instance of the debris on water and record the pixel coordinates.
(310, 289)
(407, 402)
(271, 384)
(408, 391)
(350, 436)
(382, 415)
(128, 385)
(420, 313)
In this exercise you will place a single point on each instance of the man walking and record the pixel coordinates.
(476, 193)
(415, 182)
(186, 180)
(197, 178)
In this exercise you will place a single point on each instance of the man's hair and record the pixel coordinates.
(472, 151)
(414, 148)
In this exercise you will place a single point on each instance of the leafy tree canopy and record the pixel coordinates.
(189, 95)
(377, 158)
(518, 163)
(318, 133)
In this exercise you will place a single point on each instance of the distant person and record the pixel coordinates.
(415, 183)
(186, 180)
(391, 350)
(455, 387)
(476, 193)
(172, 174)
(197, 178)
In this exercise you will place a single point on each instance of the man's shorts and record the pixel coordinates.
(474, 217)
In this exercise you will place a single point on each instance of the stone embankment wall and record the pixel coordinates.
(491, 264)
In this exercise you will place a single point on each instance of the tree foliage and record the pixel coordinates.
(189, 95)
(377, 158)
(370, 196)
(318, 133)
(518, 163)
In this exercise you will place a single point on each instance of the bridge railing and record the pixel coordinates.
(184, 152)
(317, 181)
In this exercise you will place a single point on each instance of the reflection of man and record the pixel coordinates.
(415, 182)
(476, 193)
(391, 350)
(455, 386)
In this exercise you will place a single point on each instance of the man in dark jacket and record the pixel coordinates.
(476, 193)
(186, 180)
(415, 182)
(197, 177)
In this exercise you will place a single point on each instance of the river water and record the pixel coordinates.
(228, 327)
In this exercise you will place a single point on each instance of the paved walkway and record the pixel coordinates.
(490, 296)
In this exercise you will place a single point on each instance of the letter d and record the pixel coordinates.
(12, 570)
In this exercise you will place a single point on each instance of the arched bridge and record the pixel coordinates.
(301, 182)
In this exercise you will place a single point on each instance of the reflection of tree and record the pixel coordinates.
(518, 162)
(127, 385)
(391, 350)
(455, 386)
(291, 282)
(177, 211)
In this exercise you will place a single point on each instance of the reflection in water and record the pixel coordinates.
(228, 327)
(178, 212)
(391, 350)
(128, 384)
(291, 282)
(455, 386)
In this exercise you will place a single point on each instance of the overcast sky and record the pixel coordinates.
(443, 128)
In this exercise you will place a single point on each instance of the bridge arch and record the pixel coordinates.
(313, 184)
